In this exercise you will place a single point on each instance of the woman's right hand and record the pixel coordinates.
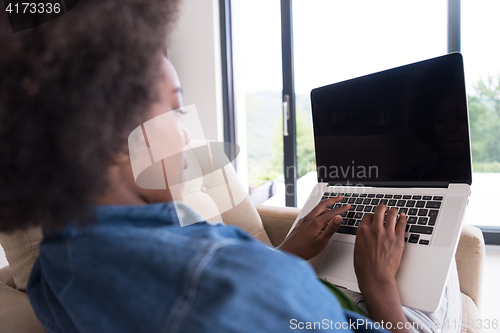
(377, 255)
(379, 247)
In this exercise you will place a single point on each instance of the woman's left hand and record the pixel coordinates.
(312, 233)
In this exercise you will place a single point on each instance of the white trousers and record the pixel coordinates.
(446, 319)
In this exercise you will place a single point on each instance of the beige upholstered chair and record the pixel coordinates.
(208, 195)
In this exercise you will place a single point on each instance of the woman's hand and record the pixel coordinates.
(379, 247)
(377, 255)
(313, 231)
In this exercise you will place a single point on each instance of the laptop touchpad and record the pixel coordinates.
(339, 262)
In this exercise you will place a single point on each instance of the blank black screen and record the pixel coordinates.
(407, 124)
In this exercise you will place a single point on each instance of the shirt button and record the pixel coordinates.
(204, 189)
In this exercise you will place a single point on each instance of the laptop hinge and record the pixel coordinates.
(392, 184)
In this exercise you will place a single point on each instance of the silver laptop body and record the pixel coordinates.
(400, 135)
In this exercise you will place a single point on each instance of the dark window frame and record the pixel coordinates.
(290, 140)
(491, 235)
(228, 110)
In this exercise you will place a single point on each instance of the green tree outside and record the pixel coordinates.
(265, 139)
(484, 115)
(306, 161)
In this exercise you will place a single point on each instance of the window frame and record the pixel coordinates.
(228, 109)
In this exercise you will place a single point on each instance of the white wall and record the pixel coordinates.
(194, 49)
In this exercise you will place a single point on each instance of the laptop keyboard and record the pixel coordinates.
(421, 210)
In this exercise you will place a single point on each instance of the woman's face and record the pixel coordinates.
(175, 136)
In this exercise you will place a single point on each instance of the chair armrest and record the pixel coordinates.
(470, 261)
(277, 221)
(6, 277)
(16, 313)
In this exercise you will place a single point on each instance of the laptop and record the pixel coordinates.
(399, 137)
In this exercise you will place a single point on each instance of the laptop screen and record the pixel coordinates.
(404, 125)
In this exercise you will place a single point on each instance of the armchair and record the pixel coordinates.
(205, 194)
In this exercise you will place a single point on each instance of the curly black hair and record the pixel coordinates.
(71, 90)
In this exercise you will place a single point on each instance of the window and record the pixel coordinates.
(481, 51)
(258, 85)
(336, 40)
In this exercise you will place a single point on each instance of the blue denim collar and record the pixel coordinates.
(144, 215)
(149, 215)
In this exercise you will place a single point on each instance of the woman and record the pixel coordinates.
(114, 257)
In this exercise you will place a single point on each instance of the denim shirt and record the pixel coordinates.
(137, 270)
